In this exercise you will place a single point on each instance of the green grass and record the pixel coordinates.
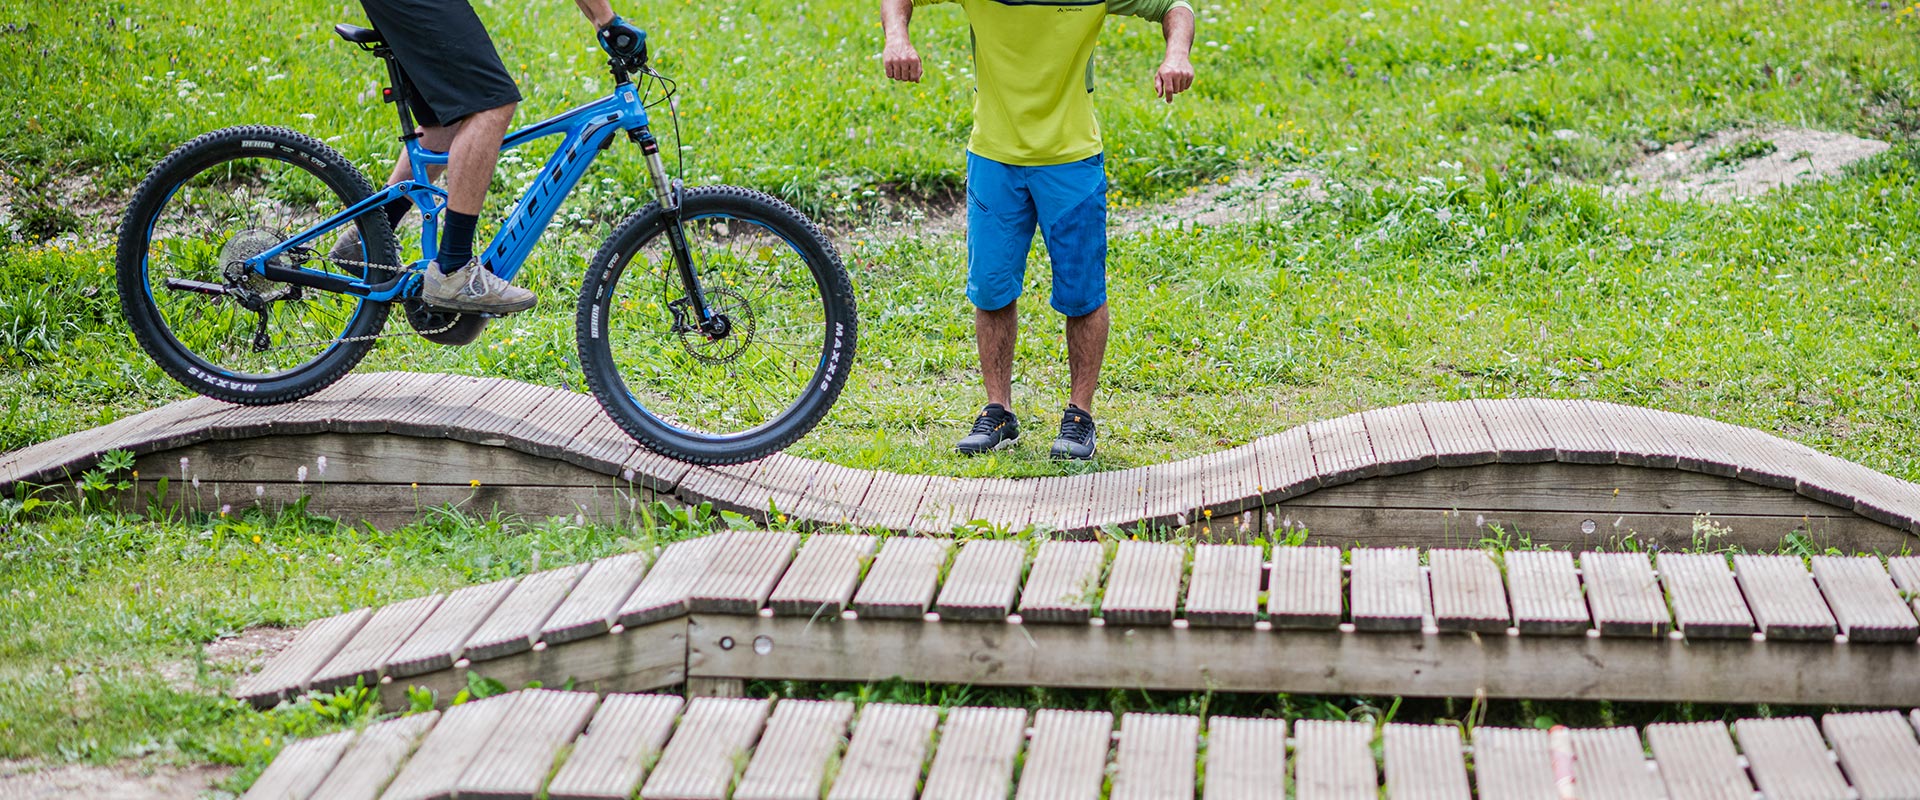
(1463, 249)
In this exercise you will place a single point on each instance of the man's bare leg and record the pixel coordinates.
(437, 139)
(472, 155)
(1086, 351)
(994, 333)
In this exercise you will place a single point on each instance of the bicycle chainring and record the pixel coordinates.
(450, 328)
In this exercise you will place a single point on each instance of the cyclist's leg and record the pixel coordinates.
(471, 159)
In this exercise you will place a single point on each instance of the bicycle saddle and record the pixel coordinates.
(357, 34)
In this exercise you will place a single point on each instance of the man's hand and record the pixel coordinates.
(1175, 76)
(903, 62)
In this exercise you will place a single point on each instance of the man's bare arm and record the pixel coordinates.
(1176, 70)
(598, 12)
(901, 60)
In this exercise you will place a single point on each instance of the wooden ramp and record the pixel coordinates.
(577, 746)
(1150, 615)
(385, 446)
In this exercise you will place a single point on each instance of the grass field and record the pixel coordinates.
(1464, 247)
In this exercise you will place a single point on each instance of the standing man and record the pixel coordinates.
(463, 99)
(1036, 158)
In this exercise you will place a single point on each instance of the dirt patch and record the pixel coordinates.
(62, 209)
(28, 780)
(1246, 196)
(1744, 163)
(249, 649)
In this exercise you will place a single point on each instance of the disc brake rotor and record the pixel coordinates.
(740, 328)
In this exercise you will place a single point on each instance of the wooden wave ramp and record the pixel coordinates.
(742, 605)
(383, 447)
(578, 746)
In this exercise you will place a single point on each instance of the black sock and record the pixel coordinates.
(456, 241)
(396, 211)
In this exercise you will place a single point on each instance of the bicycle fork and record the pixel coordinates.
(668, 190)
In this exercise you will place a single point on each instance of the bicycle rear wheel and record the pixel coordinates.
(214, 325)
(780, 364)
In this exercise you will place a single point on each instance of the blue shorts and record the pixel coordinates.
(1067, 201)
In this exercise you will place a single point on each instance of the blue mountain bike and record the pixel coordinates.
(716, 325)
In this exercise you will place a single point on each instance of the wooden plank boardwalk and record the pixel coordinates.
(744, 605)
(579, 746)
(1573, 473)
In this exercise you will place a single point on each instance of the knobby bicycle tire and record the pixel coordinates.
(838, 328)
(151, 329)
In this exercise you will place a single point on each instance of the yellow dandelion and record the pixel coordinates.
(256, 538)
(475, 483)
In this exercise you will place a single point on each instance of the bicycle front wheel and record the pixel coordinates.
(780, 358)
(209, 321)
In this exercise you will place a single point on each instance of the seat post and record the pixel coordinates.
(399, 92)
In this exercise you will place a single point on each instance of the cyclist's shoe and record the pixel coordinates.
(1075, 442)
(996, 428)
(473, 288)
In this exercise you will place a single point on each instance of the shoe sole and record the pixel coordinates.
(476, 308)
(1004, 444)
(1056, 455)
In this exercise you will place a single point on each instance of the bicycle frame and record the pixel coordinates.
(588, 129)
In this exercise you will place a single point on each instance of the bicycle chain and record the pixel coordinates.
(370, 337)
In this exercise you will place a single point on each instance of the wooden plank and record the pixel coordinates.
(1905, 571)
(1578, 437)
(1342, 452)
(449, 749)
(1783, 598)
(1641, 443)
(625, 736)
(1389, 593)
(363, 656)
(374, 757)
(640, 659)
(823, 576)
(1305, 588)
(1286, 465)
(1608, 764)
(426, 411)
(791, 762)
(835, 495)
(663, 593)
(741, 576)
(1512, 764)
(780, 485)
(515, 625)
(890, 743)
(1225, 591)
(601, 445)
(1348, 663)
(892, 502)
(300, 768)
(1623, 594)
(1156, 757)
(977, 750)
(1118, 497)
(1706, 601)
(1145, 585)
(1064, 582)
(1002, 503)
(1864, 600)
(1460, 438)
(984, 578)
(1424, 762)
(1233, 481)
(903, 579)
(1334, 761)
(700, 761)
(518, 757)
(1468, 594)
(1516, 431)
(1878, 752)
(438, 641)
(1788, 760)
(1246, 758)
(593, 606)
(289, 673)
(947, 503)
(1068, 756)
(1399, 438)
(1697, 760)
(1173, 497)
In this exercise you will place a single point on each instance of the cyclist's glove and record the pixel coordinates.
(622, 39)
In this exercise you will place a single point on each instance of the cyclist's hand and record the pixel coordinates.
(903, 62)
(622, 39)
(1174, 76)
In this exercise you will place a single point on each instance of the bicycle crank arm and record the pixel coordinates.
(197, 287)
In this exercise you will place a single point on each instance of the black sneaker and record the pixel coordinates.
(995, 429)
(1076, 436)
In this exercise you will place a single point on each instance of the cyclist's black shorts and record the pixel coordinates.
(447, 56)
